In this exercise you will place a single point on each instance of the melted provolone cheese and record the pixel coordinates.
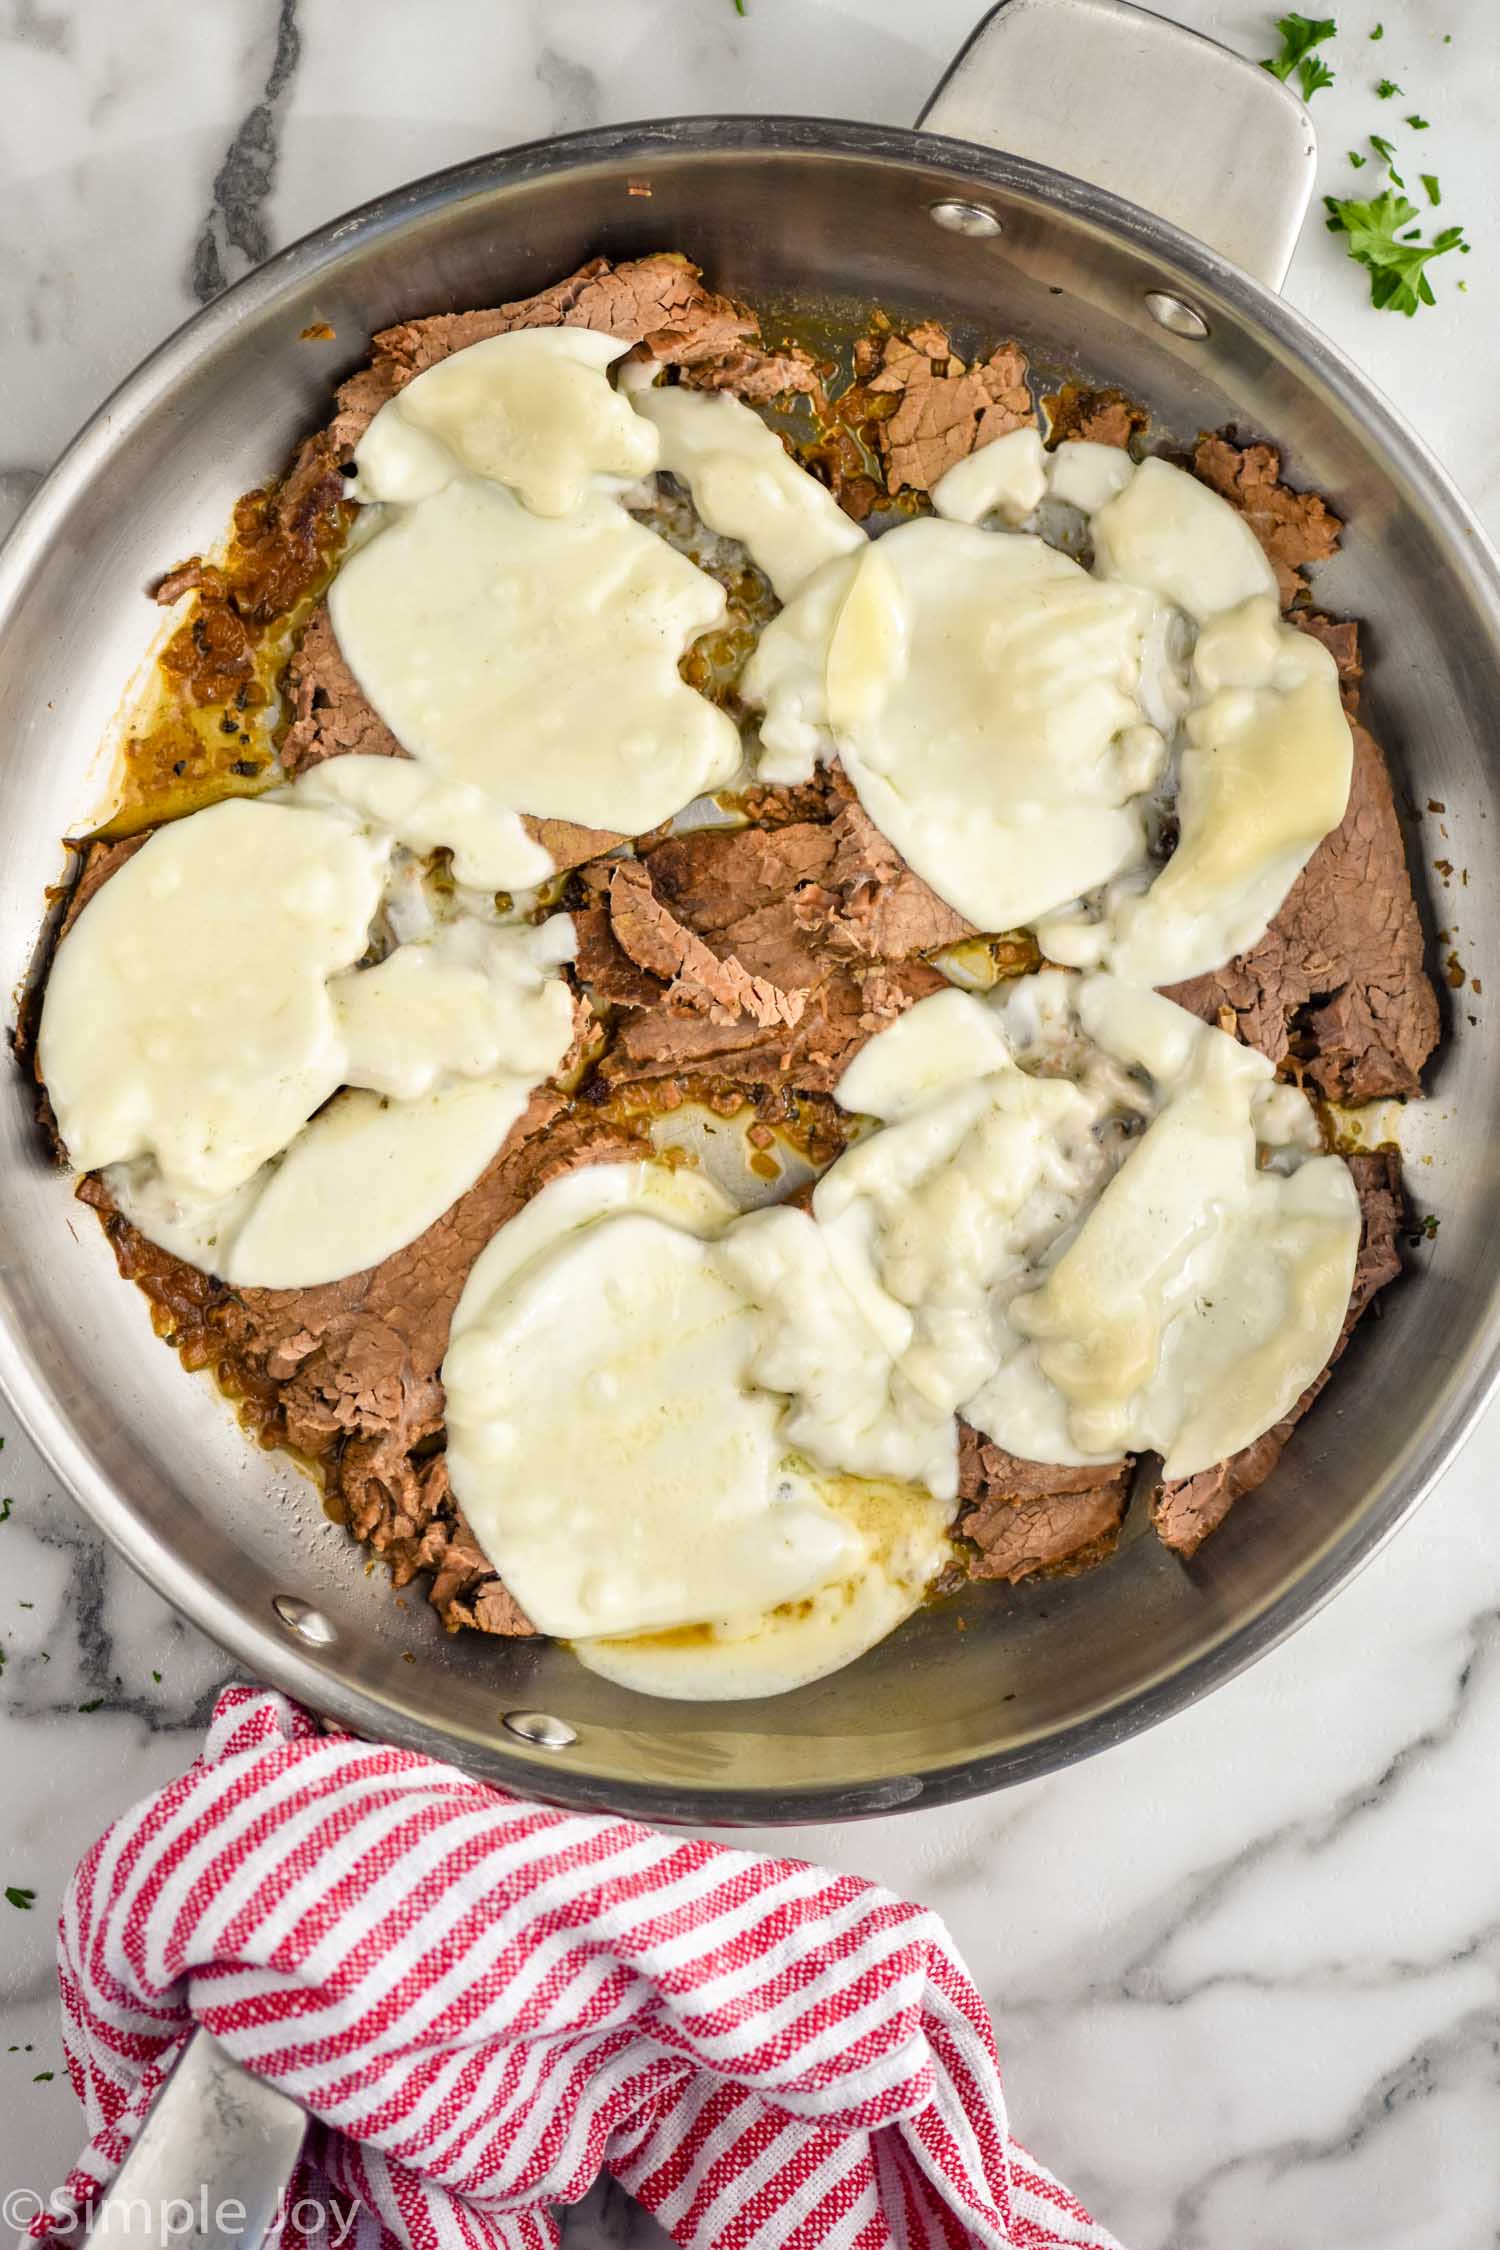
(1006, 478)
(365, 1178)
(1084, 475)
(606, 1445)
(979, 1168)
(532, 661)
(977, 688)
(903, 1545)
(1013, 1246)
(851, 1404)
(1168, 532)
(1263, 776)
(473, 999)
(745, 484)
(188, 1017)
(223, 949)
(492, 849)
(532, 409)
(1203, 1291)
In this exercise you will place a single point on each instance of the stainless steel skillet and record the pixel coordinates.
(814, 221)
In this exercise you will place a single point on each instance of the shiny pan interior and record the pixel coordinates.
(813, 223)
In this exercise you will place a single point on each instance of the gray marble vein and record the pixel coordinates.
(235, 235)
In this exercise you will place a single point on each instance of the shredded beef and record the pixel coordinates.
(1029, 1516)
(1336, 988)
(1183, 1514)
(944, 410)
(1295, 528)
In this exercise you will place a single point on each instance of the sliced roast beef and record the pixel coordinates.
(793, 997)
(1028, 1516)
(1098, 417)
(330, 717)
(659, 303)
(1295, 528)
(1337, 982)
(696, 977)
(944, 410)
(96, 863)
(877, 905)
(1184, 1513)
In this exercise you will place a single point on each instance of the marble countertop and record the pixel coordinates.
(1245, 1970)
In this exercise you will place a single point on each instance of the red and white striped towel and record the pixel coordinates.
(482, 2003)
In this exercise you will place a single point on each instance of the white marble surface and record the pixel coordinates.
(1245, 1970)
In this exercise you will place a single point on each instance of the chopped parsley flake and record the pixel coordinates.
(1359, 162)
(20, 1897)
(94, 1706)
(1384, 148)
(1386, 89)
(1299, 36)
(1417, 124)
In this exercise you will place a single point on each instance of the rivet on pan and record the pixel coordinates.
(965, 218)
(540, 1728)
(301, 1618)
(1171, 312)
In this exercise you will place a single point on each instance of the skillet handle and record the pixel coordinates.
(210, 2166)
(1145, 108)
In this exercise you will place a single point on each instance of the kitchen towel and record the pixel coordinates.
(482, 2003)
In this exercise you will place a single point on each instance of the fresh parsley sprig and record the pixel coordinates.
(1395, 260)
(1299, 36)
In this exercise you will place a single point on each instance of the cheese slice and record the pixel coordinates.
(978, 688)
(744, 482)
(187, 1016)
(532, 409)
(1170, 533)
(532, 662)
(605, 1444)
